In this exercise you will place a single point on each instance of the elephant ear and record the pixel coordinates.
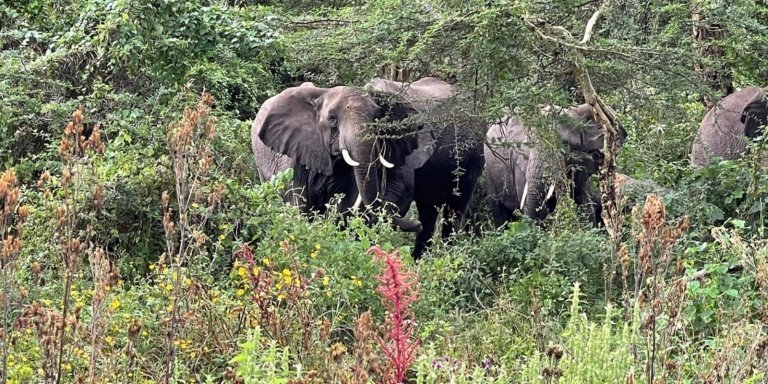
(287, 123)
(755, 115)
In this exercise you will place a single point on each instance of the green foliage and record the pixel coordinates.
(488, 305)
(258, 364)
(590, 352)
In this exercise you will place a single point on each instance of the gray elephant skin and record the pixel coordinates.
(378, 143)
(523, 175)
(727, 128)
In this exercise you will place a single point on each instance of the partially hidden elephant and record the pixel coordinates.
(727, 128)
(755, 115)
(376, 145)
(524, 175)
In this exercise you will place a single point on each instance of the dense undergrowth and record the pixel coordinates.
(138, 246)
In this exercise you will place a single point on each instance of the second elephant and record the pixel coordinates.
(523, 175)
(727, 128)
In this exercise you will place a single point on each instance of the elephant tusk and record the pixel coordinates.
(385, 163)
(348, 159)
(550, 192)
(525, 193)
(358, 201)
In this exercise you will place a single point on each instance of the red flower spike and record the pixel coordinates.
(398, 290)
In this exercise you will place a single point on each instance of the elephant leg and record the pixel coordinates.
(456, 211)
(428, 218)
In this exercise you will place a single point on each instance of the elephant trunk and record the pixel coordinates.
(536, 190)
(367, 179)
(369, 185)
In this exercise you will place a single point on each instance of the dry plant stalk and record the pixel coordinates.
(100, 269)
(189, 144)
(660, 284)
(12, 219)
(78, 174)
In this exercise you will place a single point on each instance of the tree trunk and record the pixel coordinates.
(715, 74)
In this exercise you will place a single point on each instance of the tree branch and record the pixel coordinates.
(591, 23)
(578, 47)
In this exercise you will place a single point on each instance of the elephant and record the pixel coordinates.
(523, 175)
(310, 189)
(722, 133)
(755, 115)
(376, 143)
(454, 157)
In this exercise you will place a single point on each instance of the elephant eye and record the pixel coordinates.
(332, 119)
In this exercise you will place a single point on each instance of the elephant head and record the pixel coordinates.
(316, 125)
(584, 138)
(579, 130)
(755, 115)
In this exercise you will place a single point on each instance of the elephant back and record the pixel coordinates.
(721, 132)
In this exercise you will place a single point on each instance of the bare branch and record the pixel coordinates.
(578, 47)
(592, 21)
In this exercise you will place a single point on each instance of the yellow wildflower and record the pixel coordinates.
(110, 341)
(317, 247)
(240, 292)
(287, 276)
(115, 304)
(326, 280)
(241, 271)
(256, 271)
(222, 237)
(169, 287)
(280, 297)
(265, 261)
(152, 267)
(292, 237)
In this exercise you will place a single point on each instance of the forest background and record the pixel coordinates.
(150, 253)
